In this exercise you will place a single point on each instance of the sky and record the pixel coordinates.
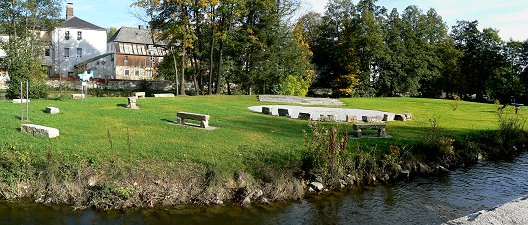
(510, 17)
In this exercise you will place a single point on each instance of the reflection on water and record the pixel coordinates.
(421, 201)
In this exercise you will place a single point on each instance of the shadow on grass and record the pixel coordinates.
(122, 105)
(56, 99)
(168, 121)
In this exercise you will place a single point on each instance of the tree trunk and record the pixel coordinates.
(182, 86)
(211, 52)
(220, 56)
(175, 71)
(195, 72)
(219, 74)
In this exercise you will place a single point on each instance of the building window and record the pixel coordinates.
(67, 35)
(79, 52)
(47, 52)
(66, 52)
(127, 72)
(126, 59)
(149, 73)
(137, 73)
(79, 35)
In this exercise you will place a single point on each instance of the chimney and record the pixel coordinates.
(69, 10)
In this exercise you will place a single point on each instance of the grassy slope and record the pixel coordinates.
(242, 134)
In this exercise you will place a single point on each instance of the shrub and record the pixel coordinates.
(324, 154)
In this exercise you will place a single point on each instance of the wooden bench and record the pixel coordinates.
(379, 127)
(182, 116)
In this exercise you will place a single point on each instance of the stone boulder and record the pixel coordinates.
(304, 116)
(38, 130)
(317, 186)
(327, 118)
(165, 95)
(52, 110)
(20, 101)
(372, 119)
(284, 112)
(388, 117)
(351, 118)
(132, 103)
(400, 117)
(267, 110)
(78, 96)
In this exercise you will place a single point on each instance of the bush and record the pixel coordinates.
(324, 154)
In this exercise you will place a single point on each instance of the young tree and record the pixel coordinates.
(24, 22)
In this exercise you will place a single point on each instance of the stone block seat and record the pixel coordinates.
(359, 127)
(139, 95)
(78, 96)
(52, 110)
(202, 118)
(20, 101)
(165, 95)
(38, 130)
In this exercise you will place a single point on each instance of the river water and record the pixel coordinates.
(420, 201)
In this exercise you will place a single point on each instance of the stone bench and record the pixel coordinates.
(20, 101)
(379, 127)
(304, 116)
(400, 117)
(139, 95)
(372, 119)
(267, 110)
(132, 103)
(284, 112)
(78, 96)
(182, 116)
(165, 95)
(38, 130)
(52, 110)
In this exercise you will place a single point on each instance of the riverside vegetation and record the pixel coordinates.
(110, 157)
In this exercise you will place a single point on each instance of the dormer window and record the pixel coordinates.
(79, 35)
(67, 35)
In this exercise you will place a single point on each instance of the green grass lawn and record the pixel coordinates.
(241, 136)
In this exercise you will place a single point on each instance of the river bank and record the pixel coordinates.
(431, 200)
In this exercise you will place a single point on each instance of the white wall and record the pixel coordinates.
(93, 43)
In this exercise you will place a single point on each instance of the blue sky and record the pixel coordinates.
(510, 17)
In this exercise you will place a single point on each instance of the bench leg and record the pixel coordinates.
(204, 124)
(180, 121)
(358, 133)
(381, 132)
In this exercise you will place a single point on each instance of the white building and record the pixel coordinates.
(74, 41)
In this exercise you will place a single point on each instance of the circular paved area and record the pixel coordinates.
(316, 112)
